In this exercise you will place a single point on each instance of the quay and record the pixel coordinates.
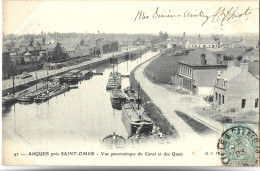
(20, 84)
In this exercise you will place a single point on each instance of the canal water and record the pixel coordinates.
(82, 115)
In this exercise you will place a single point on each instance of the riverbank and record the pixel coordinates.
(7, 85)
(162, 68)
(151, 109)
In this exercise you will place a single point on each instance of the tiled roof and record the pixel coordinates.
(231, 52)
(194, 57)
(230, 73)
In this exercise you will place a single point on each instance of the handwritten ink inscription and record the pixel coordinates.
(221, 16)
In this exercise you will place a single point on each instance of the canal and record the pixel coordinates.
(79, 116)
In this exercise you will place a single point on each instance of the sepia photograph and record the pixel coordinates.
(130, 83)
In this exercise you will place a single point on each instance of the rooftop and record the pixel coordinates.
(194, 58)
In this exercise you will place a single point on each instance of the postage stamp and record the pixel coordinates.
(239, 145)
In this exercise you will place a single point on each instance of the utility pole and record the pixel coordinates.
(13, 78)
(47, 79)
(36, 75)
(138, 94)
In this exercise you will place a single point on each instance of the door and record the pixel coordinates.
(243, 103)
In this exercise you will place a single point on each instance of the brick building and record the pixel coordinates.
(236, 88)
(197, 72)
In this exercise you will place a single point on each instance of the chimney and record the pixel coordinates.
(244, 67)
(203, 59)
(231, 63)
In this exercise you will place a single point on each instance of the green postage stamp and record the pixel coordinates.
(239, 145)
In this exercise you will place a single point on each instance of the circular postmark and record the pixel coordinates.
(238, 146)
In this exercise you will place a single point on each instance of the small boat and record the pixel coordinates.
(86, 74)
(8, 100)
(70, 78)
(135, 119)
(49, 94)
(117, 97)
(25, 98)
(114, 141)
(132, 95)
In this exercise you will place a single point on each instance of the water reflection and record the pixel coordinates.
(79, 114)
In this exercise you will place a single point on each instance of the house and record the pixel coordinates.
(78, 51)
(27, 57)
(197, 72)
(236, 89)
(113, 46)
(230, 42)
(16, 59)
(6, 64)
(200, 42)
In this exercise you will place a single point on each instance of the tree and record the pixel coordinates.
(31, 41)
(57, 54)
(43, 40)
(82, 43)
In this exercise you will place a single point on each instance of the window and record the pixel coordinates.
(216, 96)
(256, 103)
(224, 83)
(219, 99)
(243, 103)
(223, 99)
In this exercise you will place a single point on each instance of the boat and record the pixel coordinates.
(85, 74)
(132, 95)
(71, 77)
(49, 94)
(25, 98)
(114, 81)
(114, 141)
(135, 119)
(117, 97)
(8, 100)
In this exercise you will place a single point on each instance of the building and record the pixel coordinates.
(78, 51)
(236, 89)
(230, 42)
(197, 72)
(6, 62)
(201, 43)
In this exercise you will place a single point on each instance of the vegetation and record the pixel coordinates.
(158, 39)
(161, 69)
(153, 111)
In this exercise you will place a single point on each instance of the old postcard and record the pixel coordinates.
(130, 83)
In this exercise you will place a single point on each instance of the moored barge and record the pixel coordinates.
(135, 120)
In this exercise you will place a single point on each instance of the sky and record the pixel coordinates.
(22, 17)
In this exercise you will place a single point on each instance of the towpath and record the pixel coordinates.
(176, 109)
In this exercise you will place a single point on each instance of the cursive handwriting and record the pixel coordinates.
(221, 15)
(224, 16)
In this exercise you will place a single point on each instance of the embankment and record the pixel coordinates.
(152, 110)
